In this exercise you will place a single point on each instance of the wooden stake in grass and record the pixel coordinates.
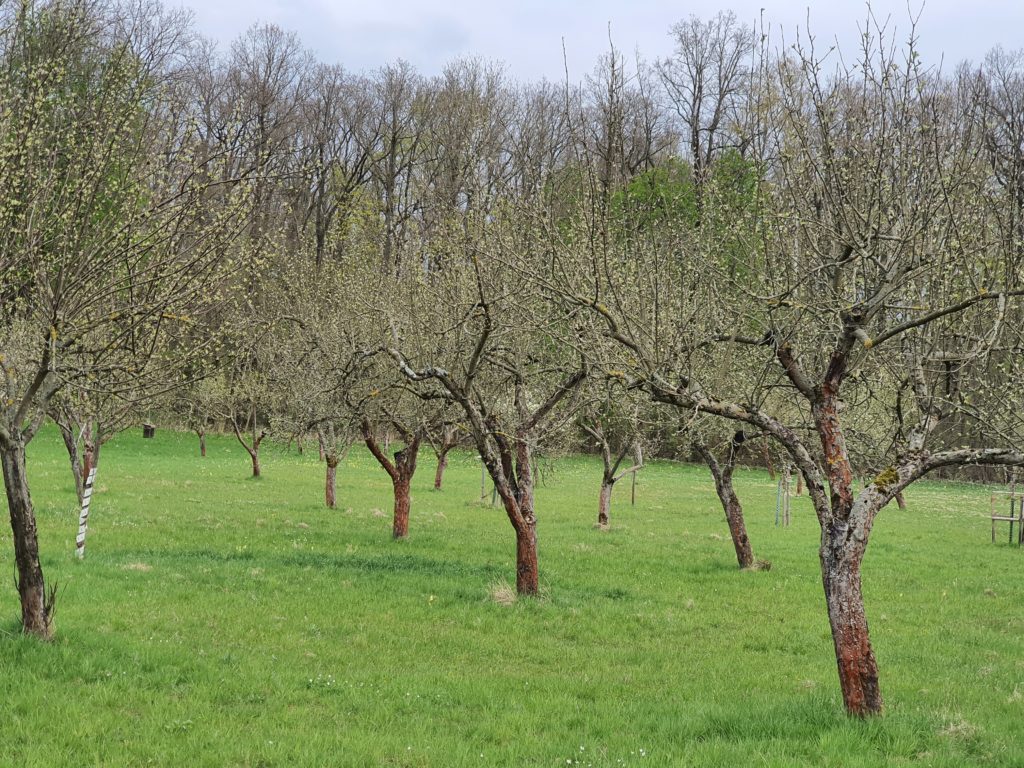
(83, 518)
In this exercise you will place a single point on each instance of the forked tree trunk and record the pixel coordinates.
(604, 502)
(329, 489)
(35, 610)
(401, 472)
(400, 525)
(858, 670)
(442, 464)
(254, 454)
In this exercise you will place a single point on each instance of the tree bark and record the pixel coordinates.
(202, 442)
(329, 490)
(734, 517)
(442, 464)
(722, 474)
(35, 608)
(858, 669)
(400, 526)
(900, 501)
(604, 503)
(401, 472)
(527, 569)
(255, 455)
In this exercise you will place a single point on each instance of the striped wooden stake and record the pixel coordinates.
(83, 518)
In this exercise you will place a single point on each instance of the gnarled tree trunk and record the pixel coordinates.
(35, 606)
(858, 670)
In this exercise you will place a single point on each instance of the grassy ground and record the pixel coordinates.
(221, 621)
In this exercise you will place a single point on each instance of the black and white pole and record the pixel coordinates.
(83, 518)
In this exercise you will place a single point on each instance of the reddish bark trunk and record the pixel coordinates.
(722, 475)
(400, 527)
(734, 517)
(35, 610)
(858, 669)
(442, 464)
(255, 455)
(329, 490)
(527, 569)
(202, 443)
(604, 503)
(401, 472)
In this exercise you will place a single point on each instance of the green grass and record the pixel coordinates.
(221, 621)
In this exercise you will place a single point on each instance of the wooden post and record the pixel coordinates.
(83, 518)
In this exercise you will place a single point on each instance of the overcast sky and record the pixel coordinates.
(527, 34)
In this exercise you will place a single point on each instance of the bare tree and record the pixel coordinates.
(105, 262)
(873, 293)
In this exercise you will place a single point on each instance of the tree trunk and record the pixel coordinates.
(730, 504)
(734, 517)
(400, 528)
(202, 442)
(737, 528)
(858, 670)
(442, 464)
(255, 455)
(329, 490)
(900, 501)
(89, 459)
(527, 569)
(604, 503)
(321, 445)
(35, 608)
(67, 433)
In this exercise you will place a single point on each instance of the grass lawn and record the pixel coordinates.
(221, 621)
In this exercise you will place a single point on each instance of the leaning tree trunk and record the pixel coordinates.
(329, 490)
(35, 606)
(604, 502)
(858, 670)
(722, 475)
(442, 465)
(403, 501)
(734, 517)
